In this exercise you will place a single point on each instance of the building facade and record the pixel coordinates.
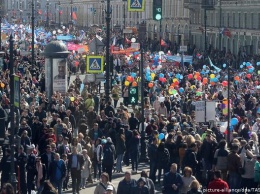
(240, 17)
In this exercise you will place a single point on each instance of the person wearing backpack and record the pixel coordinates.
(163, 159)
(108, 157)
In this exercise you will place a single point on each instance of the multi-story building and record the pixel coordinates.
(175, 20)
(239, 17)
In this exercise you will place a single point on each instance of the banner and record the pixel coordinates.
(187, 59)
(76, 47)
(65, 38)
(59, 69)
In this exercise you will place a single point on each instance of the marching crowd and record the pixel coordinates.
(81, 137)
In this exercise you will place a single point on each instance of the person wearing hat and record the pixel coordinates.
(104, 185)
(207, 132)
(127, 185)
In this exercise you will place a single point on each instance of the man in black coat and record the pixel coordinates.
(75, 165)
(21, 159)
(47, 158)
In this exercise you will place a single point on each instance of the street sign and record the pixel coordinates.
(183, 48)
(95, 64)
(136, 5)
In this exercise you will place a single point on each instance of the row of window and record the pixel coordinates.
(232, 20)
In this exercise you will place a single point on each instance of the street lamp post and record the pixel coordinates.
(12, 145)
(47, 19)
(124, 20)
(32, 43)
(205, 26)
(228, 93)
(71, 10)
(59, 13)
(220, 23)
(108, 19)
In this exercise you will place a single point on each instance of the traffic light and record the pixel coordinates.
(157, 10)
(133, 95)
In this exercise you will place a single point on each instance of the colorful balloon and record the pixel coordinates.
(127, 83)
(212, 76)
(190, 76)
(150, 85)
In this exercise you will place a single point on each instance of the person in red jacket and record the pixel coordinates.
(218, 185)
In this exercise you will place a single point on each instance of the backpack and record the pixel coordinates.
(165, 159)
(108, 155)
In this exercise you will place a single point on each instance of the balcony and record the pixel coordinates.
(198, 4)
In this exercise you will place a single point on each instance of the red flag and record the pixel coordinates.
(163, 43)
(74, 16)
(40, 12)
(127, 41)
(60, 12)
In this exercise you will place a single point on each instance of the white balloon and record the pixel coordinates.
(222, 129)
(54, 32)
(133, 39)
(63, 27)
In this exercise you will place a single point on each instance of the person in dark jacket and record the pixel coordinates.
(109, 108)
(172, 181)
(95, 133)
(5, 167)
(133, 122)
(152, 154)
(108, 157)
(163, 159)
(21, 159)
(127, 185)
(120, 149)
(57, 172)
(128, 137)
(47, 158)
(134, 150)
(149, 182)
(190, 159)
(141, 187)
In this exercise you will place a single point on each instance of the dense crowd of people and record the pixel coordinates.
(79, 136)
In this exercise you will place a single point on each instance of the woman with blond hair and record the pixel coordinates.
(195, 188)
(189, 140)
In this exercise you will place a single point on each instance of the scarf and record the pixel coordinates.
(40, 174)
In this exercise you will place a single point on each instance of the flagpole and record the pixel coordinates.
(205, 23)
(32, 43)
(160, 34)
(108, 18)
(220, 23)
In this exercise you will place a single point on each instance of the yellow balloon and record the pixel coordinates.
(174, 80)
(193, 87)
(2, 85)
(152, 75)
(212, 76)
(127, 83)
(72, 99)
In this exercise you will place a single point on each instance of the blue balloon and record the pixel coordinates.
(161, 75)
(133, 74)
(149, 78)
(231, 128)
(147, 74)
(244, 63)
(224, 65)
(251, 70)
(241, 66)
(129, 62)
(161, 136)
(248, 64)
(181, 76)
(181, 90)
(234, 121)
(207, 71)
(178, 76)
(204, 66)
(215, 79)
(258, 63)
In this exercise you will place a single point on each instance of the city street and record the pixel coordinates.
(117, 177)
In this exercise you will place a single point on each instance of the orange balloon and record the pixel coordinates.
(205, 80)
(212, 83)
(237, 78)
(134, 84)
(150, 85)
(197, 74)
(2, 85)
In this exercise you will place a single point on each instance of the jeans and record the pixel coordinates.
(83, 182)
(96, 167)
(234, 181)
(134, 161)
(119, 162)
(57, 184)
